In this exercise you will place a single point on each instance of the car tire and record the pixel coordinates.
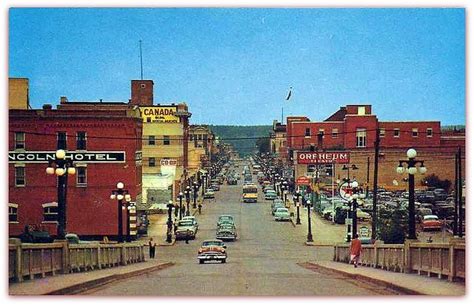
(223, 261)
(201, 261)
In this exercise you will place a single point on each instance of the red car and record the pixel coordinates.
(431, 222)
(212, 250)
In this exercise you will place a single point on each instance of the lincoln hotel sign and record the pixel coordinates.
(86, 157)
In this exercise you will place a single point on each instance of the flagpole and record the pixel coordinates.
(282, 115)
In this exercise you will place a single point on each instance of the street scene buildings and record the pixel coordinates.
(342, 196)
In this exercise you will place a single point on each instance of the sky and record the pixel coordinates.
(235, 66)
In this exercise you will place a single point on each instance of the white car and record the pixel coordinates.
(282, 214)
(193, 219)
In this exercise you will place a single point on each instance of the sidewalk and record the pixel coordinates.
(76, 282)
(406, 283)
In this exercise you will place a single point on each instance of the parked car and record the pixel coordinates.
(270, 195)
(422, 212)
(440, 194)
(209, 194)
(431, 222)
(215, 187)
(185, 229)
(277, 206)
(212, 249)
(364, 216)
(226, 231)
(282, 214)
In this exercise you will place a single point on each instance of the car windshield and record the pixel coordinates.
(212, 243)
(224, 217)
(282, 210)
(430, 217)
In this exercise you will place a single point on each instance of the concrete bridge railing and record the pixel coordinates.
(443, 259)
(30, 260)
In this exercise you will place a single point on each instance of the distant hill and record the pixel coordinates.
(243, 138)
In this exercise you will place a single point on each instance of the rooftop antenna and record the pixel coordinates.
(141, 60)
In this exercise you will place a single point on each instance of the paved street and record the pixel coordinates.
(263, 261)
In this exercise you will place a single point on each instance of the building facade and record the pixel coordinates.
(353, 129)
(104, 142)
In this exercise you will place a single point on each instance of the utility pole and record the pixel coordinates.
(376, 171)
(460, 230)
(456, 197)
(368, 171)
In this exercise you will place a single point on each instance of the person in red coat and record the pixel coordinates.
(356, 249)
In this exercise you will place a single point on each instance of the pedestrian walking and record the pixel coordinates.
(152, 246)
(356, 249)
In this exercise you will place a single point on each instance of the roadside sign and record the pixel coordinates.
(364, 231)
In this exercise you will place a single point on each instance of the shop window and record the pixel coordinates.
(19, 140)
(81, 143)
(361, 135)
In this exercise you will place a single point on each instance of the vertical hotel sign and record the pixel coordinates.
(159, 114)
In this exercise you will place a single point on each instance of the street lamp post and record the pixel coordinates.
(169, 222)
(195, 187)
(62, 168)
(347, 168)
(284, 188)
(411, 169)
(130, 206)
(180, 196)
(310, 235)
(120, 194)
(298, 220)
(187, 192)
(357, 192)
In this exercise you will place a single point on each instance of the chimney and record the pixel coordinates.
(63, 100)
(47, 107)
(142, 92)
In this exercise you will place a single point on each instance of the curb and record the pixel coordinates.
(369, 279)
(312, 244)
(78, 288)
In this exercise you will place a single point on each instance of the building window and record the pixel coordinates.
(396, 133)
(307, 132)
(321, 132)
(190, 138)
(166, 140)
(12, 212)
(151, 140)
(334, 133)
(81, 176)
(19, 140)
(361, 110)
(429, 132)
(414, 132)
(81, 140)
(50, 211)
(20, 176)
(361, 135)
(382, 132)
(62, 140)
(151, 162)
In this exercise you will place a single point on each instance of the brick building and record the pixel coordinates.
(353, 128)
(104, 140)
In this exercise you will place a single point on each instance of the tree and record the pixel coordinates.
(392, 225)
(434, 181)
(263, 145)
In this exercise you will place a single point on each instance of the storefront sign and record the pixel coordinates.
(303, 181)
(159, 114)
(84, 157)
(345, 191)
(168, 162)
(322, 157)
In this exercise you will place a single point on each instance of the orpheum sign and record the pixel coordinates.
(323, 157)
